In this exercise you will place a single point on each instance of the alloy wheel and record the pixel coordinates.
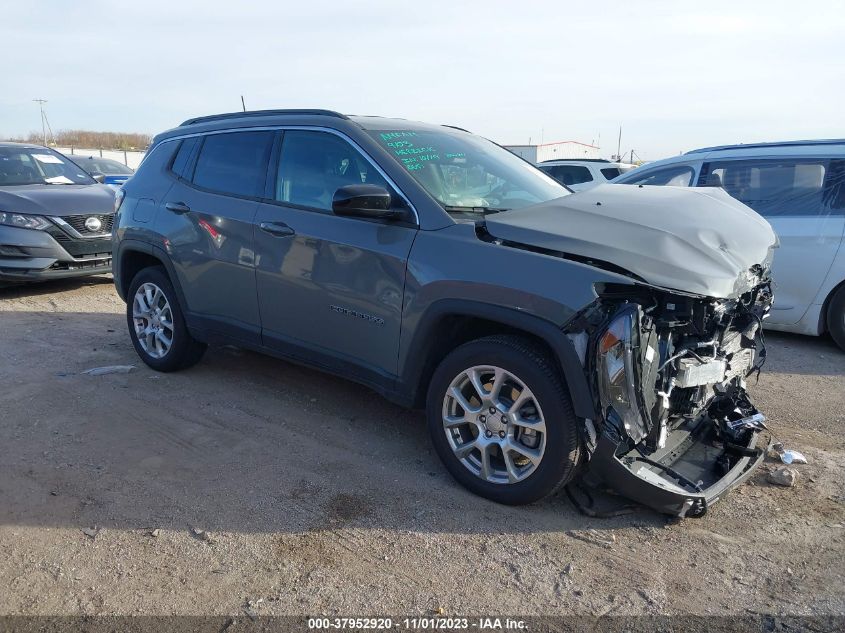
(494, 424)
(153, 320)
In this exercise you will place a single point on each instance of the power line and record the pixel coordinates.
(41, 103)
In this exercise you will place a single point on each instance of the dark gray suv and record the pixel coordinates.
(606, 333)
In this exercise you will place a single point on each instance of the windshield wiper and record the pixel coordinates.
(482, 210)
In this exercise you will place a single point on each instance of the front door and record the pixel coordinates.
(330, 287)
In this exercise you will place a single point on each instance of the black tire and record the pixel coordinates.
(184, 351)
(535, 368)
(836, 317)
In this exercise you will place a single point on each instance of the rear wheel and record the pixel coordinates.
(501, 420)
(156, 324)
(836, 317)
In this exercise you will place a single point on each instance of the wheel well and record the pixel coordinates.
(131, 263)
(823, 329)
(453, 331)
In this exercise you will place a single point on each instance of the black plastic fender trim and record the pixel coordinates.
(549, 332)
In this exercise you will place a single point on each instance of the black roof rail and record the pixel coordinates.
(455, 127)
(823, 141)
(256, 113)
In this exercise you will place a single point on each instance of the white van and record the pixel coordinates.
(799, 187)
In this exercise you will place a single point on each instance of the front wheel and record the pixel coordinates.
(156, 324)
(502, 421)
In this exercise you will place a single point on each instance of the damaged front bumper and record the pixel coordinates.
(692, 455)
(677, 428)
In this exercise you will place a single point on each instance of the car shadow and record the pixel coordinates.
(16, 290)
(239, 443)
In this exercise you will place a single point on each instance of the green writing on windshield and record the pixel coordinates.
(412, 153)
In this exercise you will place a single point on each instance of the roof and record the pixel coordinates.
(575, 160)
(830, 141)
(26, 145)
(547, 144)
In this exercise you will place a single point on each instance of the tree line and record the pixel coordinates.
(127, 141)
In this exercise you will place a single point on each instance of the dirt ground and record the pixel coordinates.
(316, 496)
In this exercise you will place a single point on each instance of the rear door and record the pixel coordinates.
(329, 287)
(207, 218)
(790, 194)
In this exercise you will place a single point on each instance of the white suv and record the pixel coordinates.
(583, 174)
(799, 187)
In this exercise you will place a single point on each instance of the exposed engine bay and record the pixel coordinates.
(677, 428)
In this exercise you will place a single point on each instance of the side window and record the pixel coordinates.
(313, 165)
(610, 172)
(571, 174)
(680, 176)
(774, 187)
(234, 162)
(183, 157)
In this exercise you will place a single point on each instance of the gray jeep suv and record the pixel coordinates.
(606, 333)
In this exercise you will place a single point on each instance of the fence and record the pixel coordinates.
(130, 159)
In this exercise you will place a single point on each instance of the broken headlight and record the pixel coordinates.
(617, 375)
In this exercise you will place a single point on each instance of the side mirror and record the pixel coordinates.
(363, 201)
(100, 178)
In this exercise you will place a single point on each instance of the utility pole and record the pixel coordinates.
(41, 103)
(619, 145)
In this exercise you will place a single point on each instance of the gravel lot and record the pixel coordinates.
(317, 496)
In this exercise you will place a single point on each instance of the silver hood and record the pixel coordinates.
(698, 241)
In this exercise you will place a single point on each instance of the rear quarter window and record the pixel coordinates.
(184, 156)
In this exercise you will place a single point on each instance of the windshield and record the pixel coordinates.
(466, 173)
(104, 166)
(38, 166)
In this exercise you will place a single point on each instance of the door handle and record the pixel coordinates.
(279, 229)
(177, 207)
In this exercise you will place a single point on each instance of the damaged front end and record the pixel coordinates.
(677, 429)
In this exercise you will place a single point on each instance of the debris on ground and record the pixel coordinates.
(155, 532)
(109, 369)
(783, 476)
(594, 537)
(788, 456)
(202, 535)
(91, 532)
(250, 608)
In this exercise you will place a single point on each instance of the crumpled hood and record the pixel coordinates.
(57, 200)
(698, 241)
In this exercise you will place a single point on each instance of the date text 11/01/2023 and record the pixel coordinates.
(417, 624)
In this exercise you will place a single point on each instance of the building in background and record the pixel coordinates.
(554, 151)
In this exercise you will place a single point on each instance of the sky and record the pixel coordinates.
(674, 75)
